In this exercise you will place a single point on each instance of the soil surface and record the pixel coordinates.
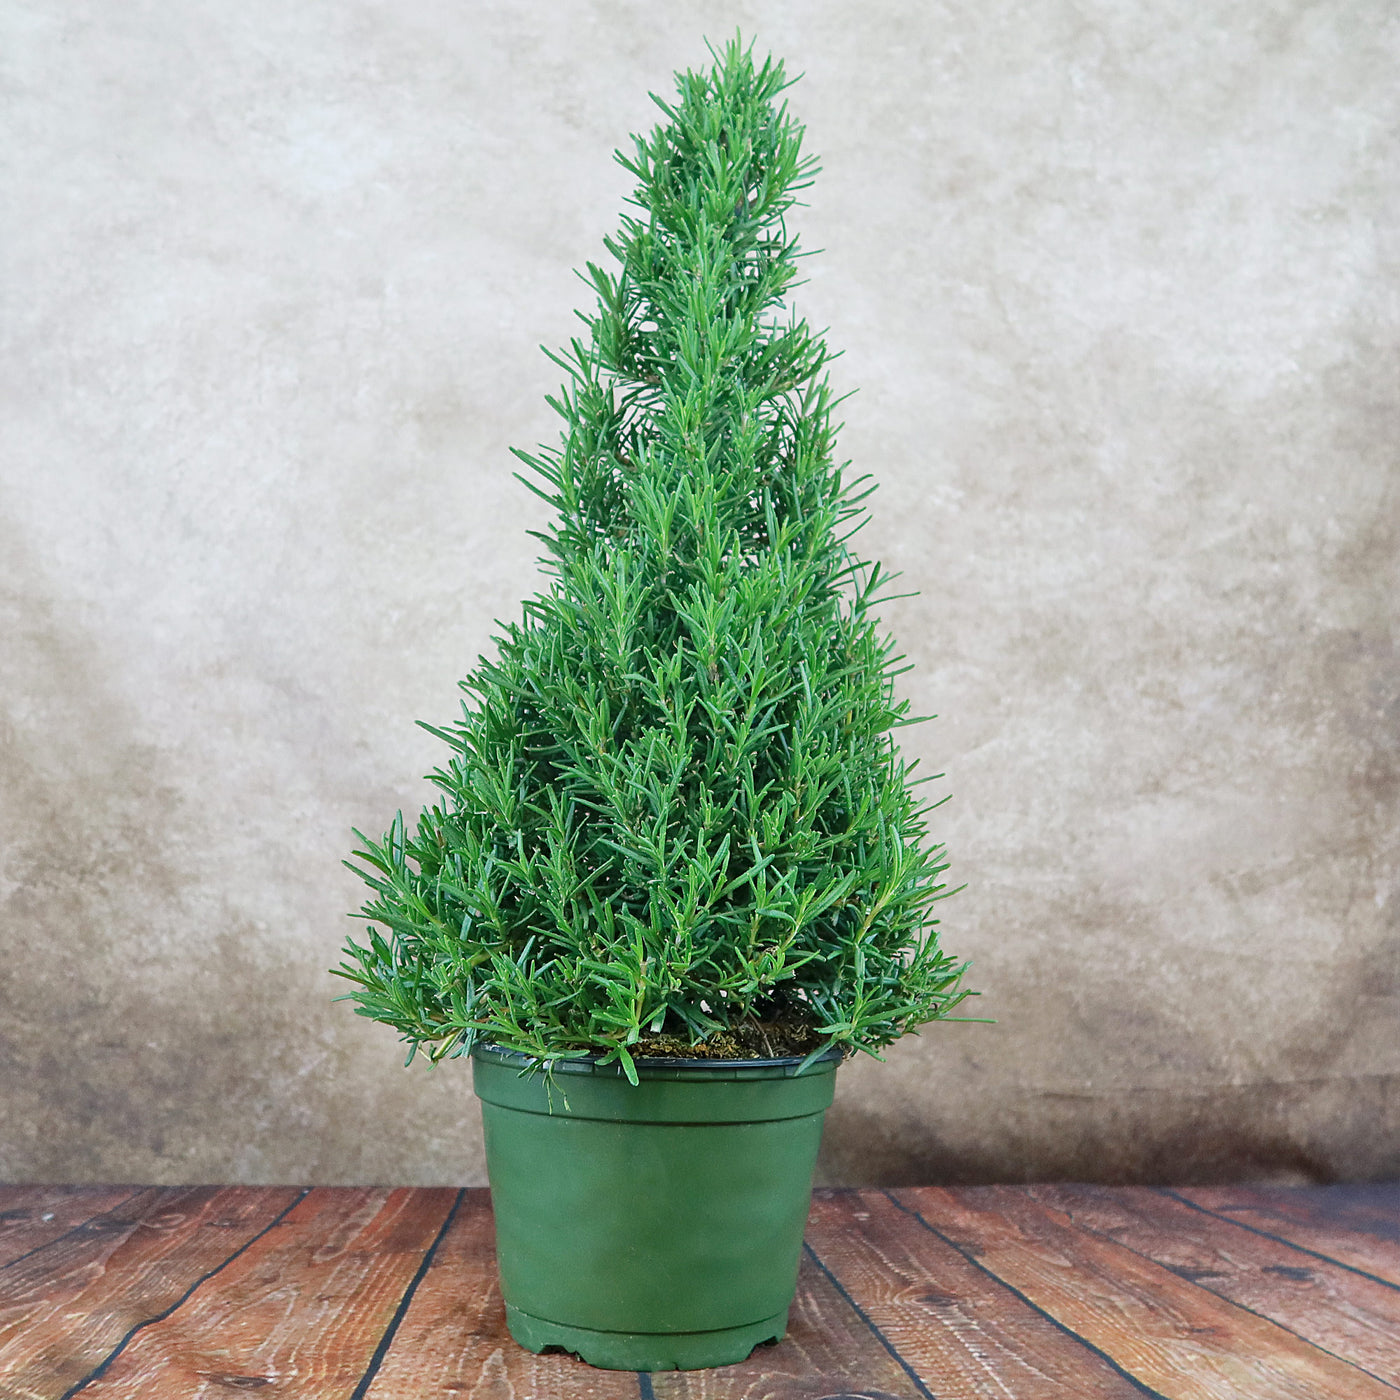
(789, 1033)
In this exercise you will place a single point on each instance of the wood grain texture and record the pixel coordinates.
(65, 1307)
(1174, 1337)
(1022, 1293)
(1345, 1313)
(452, 1339)
(965, 1333)
(299, 1313)
(1358, 1226)
(830, 1353)
(31, 1216)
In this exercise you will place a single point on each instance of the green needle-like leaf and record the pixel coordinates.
(673, 805)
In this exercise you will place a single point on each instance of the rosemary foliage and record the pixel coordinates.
(673, 803)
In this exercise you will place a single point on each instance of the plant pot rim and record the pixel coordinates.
(588, 1064)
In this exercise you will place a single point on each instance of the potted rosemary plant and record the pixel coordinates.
(678, 869)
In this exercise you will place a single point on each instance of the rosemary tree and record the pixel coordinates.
(673, 816)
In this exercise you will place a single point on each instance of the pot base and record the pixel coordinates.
(646, 1351)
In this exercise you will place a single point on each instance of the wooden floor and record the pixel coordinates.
(1070, 1292)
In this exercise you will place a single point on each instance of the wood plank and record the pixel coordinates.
(1334, 1308)
(1194, 1295)
(31, 1216)
(830, 1353)
(1350, 1226)
(300, 1311)
(1368, 1209)
(1174, 1337)
(452, 1339)
(64, 1308)
(966, 1334)
(1373, 1205)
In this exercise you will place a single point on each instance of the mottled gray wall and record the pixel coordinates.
(1118, 283)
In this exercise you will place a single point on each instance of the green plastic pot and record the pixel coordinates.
(656, 1226)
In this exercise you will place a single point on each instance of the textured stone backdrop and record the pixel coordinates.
(1118, 285)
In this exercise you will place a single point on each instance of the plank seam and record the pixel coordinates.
(865, 1318)
(1035, 1307)
(644, 1386)
(1278, 1239)
(1215, 1293)
(100, 1369)
(73, 1229)
(382, 1350)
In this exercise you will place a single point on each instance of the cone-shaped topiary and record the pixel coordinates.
(674, 816)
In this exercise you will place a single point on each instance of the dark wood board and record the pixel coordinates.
(1025, 1293)
(300, 1312)
(1325, 1303)
(1172, 1336)
(65, 1307)
(32, 1216)
(947, 1316)
(1344, 1223)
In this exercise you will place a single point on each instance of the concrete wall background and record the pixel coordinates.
(1118, 284)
